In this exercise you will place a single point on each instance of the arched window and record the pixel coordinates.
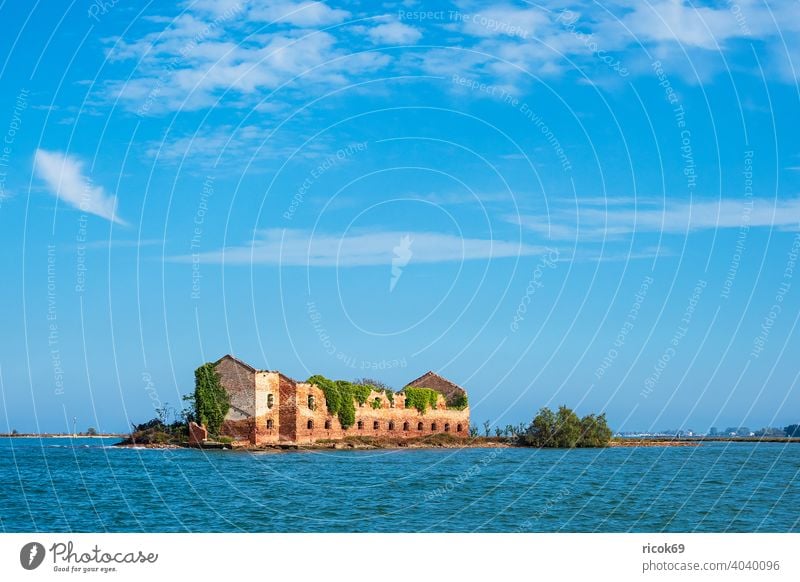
(376, 425)
(327, 424)
(311, 404)
(391, 425)
(310, 424)
(360, 425)
(270, 400)
(406, 426)
(446, 427)
(420, 427)
(270, 423)
(433, 426)
(458, 428)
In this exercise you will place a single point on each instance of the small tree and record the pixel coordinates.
(568, 428)
(565, 430)
(793, 430)
(594, 431)
(473, 431)
(91, 431)
(14, 432)
(542, 430)
(487, 427)
(211, 400)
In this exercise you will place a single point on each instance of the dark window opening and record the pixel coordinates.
(458, 428)
(310, 424)
(420, 427)
(327, 424)
(360, 425)
(433, 426)
(270, 423)
(406, 426)
(270, 400)
(376, 425)
(391, 425)
(311, 404)
(446, 427)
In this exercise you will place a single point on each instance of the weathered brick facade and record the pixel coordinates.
(268, 407)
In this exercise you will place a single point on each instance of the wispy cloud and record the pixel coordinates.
(298, 13)
(294, 247)
(65, 179)
(201, 54)
(590, 218)
(394, 33)
(189, 60)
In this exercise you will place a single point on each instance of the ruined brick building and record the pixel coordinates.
(269, 407)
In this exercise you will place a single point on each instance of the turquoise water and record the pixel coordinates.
(82, 485)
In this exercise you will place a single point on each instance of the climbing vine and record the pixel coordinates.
(458, 402)
(211, 400)
(420, 398)
(340, 397)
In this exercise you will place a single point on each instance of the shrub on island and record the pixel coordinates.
(564, 429)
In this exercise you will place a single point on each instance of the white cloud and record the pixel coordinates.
(294, 247)
(191, 60)
(182, 74)
(65, 179)
(504, 21)
(592, 221)
(298, 13)
(394, 33)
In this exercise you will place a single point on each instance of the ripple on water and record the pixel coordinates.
(718, 487)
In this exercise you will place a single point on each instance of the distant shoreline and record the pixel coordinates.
(61, 435)
(707, 439)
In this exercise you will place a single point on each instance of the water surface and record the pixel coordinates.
(87, 485)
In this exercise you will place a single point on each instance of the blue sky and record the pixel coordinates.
(591, 205)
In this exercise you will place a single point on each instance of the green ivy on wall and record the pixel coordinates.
(341, 396)
(420, 398)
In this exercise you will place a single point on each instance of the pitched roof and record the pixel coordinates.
(251, 368)
(436, 382)
(237, 360)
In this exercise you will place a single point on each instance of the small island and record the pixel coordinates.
(237, 406)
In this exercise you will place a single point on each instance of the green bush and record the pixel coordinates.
(420, 398)
(565, 429)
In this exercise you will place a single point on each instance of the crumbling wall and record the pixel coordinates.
(267, 406)
(287, 409)
(393, 421)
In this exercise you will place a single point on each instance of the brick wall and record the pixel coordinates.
(287, 409)
(239, 380)
(290, 418)
(326, 426)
